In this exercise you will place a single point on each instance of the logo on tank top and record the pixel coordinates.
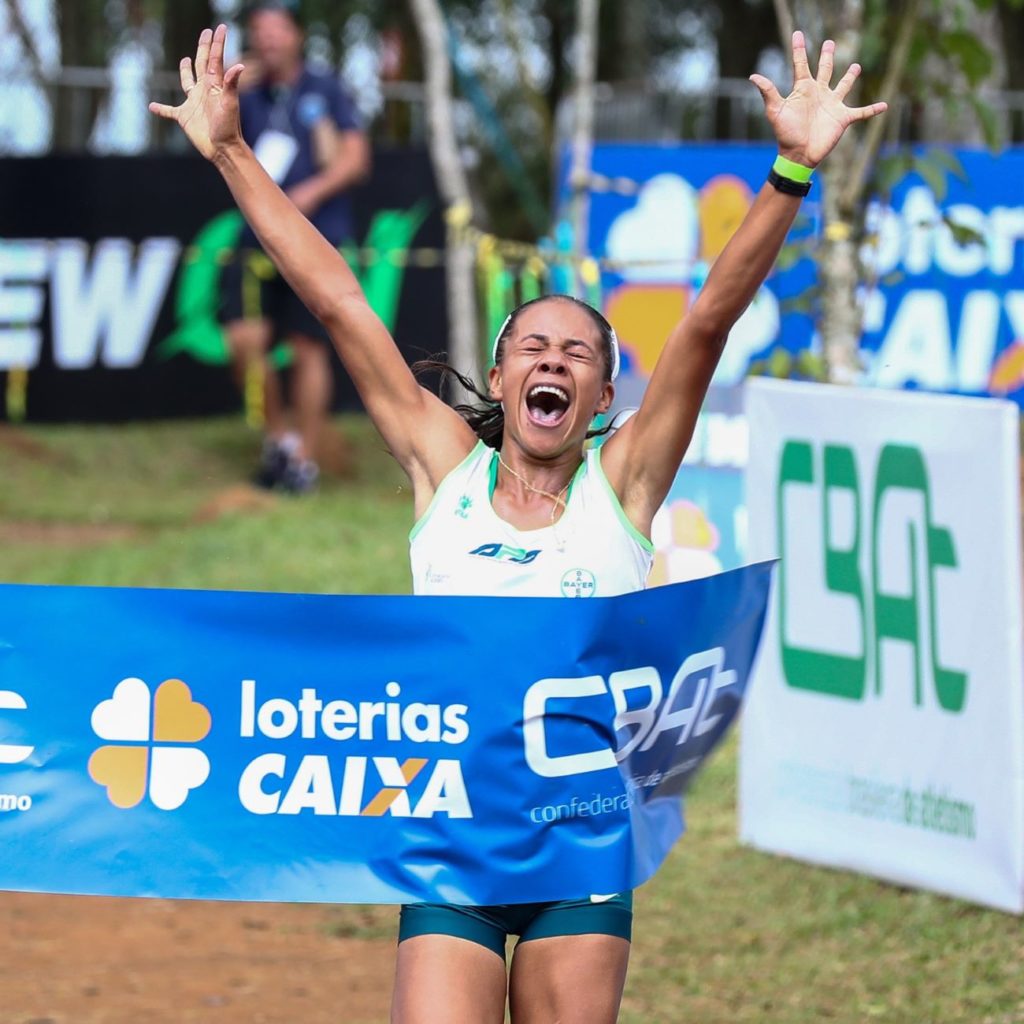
(463, 507)
(578, 583)
(506, 553)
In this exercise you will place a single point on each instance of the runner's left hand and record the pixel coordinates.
(813, 117)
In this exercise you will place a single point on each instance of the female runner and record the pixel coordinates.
(530, 513)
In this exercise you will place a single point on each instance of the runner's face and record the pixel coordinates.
(551, 379)
(276, 39)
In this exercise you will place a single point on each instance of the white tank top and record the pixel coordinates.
(461, 546)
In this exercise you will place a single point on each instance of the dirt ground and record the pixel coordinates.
(91, 960)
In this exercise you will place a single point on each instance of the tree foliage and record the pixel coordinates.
(520, 56)
(90, 31)
(920, 56)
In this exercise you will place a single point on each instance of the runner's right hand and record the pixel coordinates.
(209, 114)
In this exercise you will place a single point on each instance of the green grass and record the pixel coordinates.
(730, 934)
(723, 933)
(153, 483)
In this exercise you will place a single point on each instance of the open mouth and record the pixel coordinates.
(547, 404)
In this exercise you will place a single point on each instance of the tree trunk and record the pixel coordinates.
(738, 54)
(583, 130)
(464, 350)
(845, 177)
(632, 31)
(839, 263)
(28, 44)
(84, 42)
(183, 21)
(1011, 21)
(558, 39)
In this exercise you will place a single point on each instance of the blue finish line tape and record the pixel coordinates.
(209, 745)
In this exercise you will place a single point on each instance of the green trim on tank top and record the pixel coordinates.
(492, 481)
(492, 476)
(630, 527)
(422, 521)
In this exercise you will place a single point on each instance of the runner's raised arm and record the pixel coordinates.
(642, 459)
(425, 435)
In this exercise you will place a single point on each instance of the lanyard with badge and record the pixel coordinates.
(277, 147)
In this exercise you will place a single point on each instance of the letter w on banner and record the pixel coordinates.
(359, 749)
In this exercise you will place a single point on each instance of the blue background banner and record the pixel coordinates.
(944, 271)
(214, 745)
(943, 299)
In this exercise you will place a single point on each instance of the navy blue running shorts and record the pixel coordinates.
(251, 288)
(491, 926)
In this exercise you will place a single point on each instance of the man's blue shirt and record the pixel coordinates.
(295, 109)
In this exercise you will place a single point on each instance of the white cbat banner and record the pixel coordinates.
(884, 728)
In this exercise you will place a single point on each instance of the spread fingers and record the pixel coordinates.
(188, 80)
(203, 52)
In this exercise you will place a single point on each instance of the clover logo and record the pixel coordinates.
(148, 751)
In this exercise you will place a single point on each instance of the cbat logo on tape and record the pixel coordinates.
(13, 753)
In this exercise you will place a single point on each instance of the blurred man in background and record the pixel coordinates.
(305, 132)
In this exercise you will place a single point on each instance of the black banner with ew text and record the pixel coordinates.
(109, 282)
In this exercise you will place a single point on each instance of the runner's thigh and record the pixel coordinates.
(572, 979)
(441, 979)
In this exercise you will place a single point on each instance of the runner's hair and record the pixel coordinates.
(487, 418)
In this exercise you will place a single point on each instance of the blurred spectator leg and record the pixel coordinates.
(248, 341)
(312, 389)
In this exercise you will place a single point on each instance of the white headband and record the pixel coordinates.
(614, 341)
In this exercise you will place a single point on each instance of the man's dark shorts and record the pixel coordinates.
(252, 289)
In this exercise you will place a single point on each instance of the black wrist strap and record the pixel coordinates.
(787, 185)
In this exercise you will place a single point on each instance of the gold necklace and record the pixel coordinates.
(556, 499)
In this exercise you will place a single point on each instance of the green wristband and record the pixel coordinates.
(794, 171)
